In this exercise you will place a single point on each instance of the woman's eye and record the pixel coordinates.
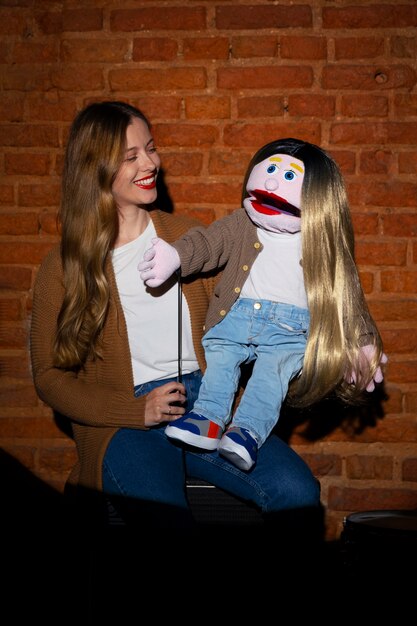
(271, 169)
(289, 175)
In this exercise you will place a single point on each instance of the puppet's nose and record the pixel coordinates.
(271, 184)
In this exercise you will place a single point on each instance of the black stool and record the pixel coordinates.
(381, 543)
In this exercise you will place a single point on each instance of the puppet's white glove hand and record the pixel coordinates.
(159, 263)
(366, 355)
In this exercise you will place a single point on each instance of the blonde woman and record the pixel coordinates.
(104, 347)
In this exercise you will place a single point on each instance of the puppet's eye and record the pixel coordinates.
(289, 175)
(271, 169)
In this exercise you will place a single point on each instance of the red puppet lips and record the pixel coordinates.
(269, 204)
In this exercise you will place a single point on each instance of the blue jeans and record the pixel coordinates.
(146, 473)
(273, 336)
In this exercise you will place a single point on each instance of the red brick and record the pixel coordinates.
(404, 47)
(48, 223)
(39, 195)
(168, 18)
(27, 78)
(25, 455)
(15, 366)
(256, 135)
(397, 310)
(220, 193)
(157, 108)
(12, 23)
(84, 19)
(365, 223)
(359, 47)
(157, 79)
(407, 162)
(11, 308)
(263, 17)
(229, 163)
(204, 215)
(311, 105)
(252, 47)
(405, 104)
(367, 77)
(212, 107)
(182, 135)
(21, 252)
(154, 49)
(13, 336)
(206, 48)
(19, 224)
(78, 77)
(6, 194)
(403, 372)
(375, 16)
(90, 50)
(57, 460)
(411, 402)
(35, 52)
(409, 470)
(27, 135)
(399, 281)
(18, 395)
(399, 340)
(303, 47)
(366, 105)
(12, 277)
(367, 281)
(12, 106)
(34, 164)
(51, 107)
(345, 159)
(380, 253)
(378, 162)
(400, 224)
(371, 499)
(261, 106)
(182, 163)
(383, 194)
(369, 467)
(324, 464)
(260, 77)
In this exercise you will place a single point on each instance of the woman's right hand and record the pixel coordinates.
(160, 405)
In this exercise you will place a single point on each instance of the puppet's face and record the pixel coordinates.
(274, 187)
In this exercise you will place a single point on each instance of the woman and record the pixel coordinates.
(104, 347)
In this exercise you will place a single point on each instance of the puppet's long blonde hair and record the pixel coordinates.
(340, 321)
(89, 224)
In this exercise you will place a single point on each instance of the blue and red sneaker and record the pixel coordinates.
(196, 430)
(239, 447)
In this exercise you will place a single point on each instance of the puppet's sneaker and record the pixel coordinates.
(196, 430)
(239, 447)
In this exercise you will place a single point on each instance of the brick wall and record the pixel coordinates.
(219, 79)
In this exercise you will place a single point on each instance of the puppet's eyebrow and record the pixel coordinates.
(275, 159)
(297, 167)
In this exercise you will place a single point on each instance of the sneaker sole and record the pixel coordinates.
(193, 440)
(232, 456)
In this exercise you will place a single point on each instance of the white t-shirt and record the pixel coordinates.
(277, 274)
(152, 316)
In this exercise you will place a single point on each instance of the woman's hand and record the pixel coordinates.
(160, 405)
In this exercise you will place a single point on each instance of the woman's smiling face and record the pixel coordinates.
(135, 183)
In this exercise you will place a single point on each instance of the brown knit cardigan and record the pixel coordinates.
(99, 399)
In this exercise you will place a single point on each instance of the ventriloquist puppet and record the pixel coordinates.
(289, 300)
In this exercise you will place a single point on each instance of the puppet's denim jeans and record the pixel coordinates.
(273, 336)
(146, 467)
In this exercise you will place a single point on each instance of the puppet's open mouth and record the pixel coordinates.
(270, 204)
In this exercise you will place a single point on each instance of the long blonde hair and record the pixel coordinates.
(340, 321)
(89, 225)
